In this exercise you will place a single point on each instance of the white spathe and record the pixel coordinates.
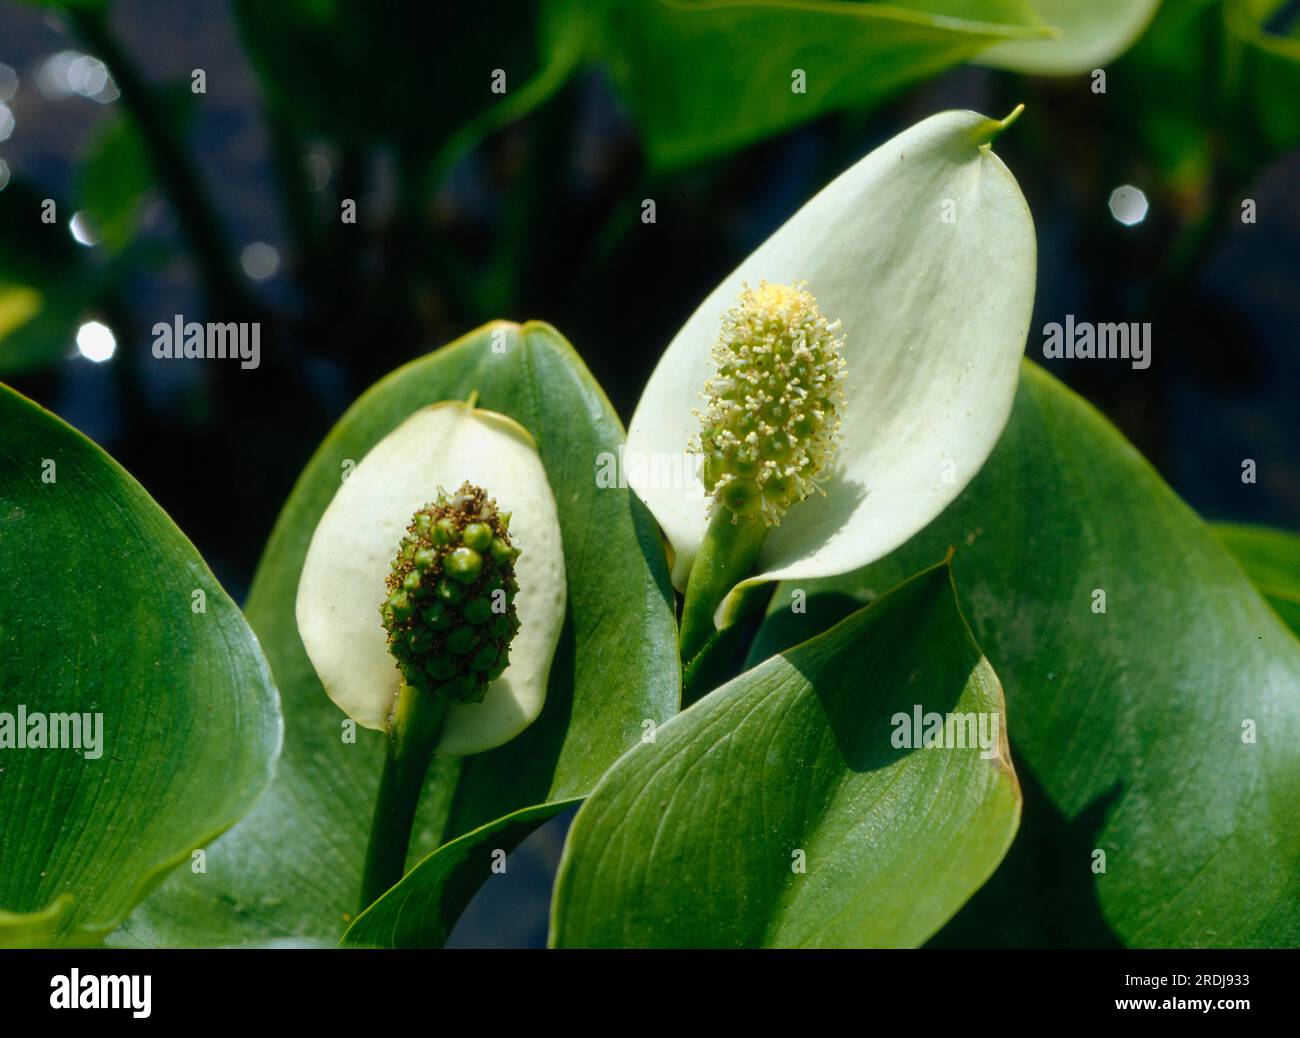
(925, 251)
(342, 583)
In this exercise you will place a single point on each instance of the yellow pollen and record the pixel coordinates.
(771, 427)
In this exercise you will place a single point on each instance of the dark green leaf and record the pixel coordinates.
(1271, 558)
(781, 810)
(704, 78)
(109, 612)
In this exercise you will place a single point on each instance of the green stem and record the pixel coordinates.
(723, 655)
(417, 726)
(728, 555)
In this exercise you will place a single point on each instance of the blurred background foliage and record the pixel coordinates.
(473, 204)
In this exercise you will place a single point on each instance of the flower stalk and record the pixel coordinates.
(768, 436)
(418, 720)
(435, 622)
(450, 616)
(728, 554)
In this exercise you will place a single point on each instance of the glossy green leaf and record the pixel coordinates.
(782, 811)
(1092, 33)
(703, 78)
(1163, 731)
(110, 617)
(1271, 558)
(293, 867)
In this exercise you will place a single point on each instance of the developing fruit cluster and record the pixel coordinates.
(772, 424)
(450, 612)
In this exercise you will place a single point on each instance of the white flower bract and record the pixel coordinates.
(924, 253)
(351, 554)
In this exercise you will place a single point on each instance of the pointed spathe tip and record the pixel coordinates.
(1015, 114)
(990, 128)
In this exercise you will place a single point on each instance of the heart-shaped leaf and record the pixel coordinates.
(784, 809)
(122, 655)
(1271, 558)
(293, 867)
(1152, 694)
(704, 78)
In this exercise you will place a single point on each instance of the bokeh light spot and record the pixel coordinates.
(1128, 205)
(82, 229)
(70, 72)
(96, 342)
(317, 165)
(260, 260)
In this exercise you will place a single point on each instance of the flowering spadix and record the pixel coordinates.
(772, 424)
(922, 259)
(353, 560)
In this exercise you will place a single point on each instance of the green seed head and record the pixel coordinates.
(450, 611)
(772, 424)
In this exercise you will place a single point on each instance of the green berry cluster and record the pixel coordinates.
(450, 611)
(772, 425)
